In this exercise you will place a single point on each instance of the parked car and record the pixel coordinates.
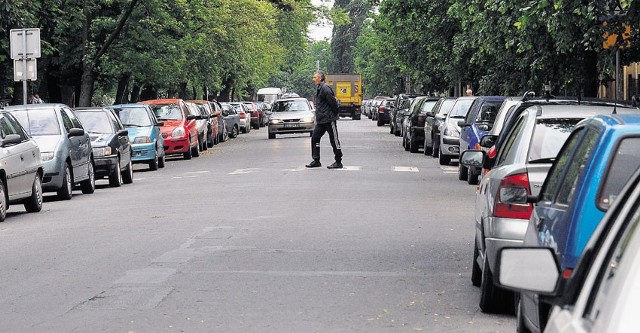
(232, 119)
(245, 116)
(202, 124)
(220, 124)
(110, 143)
(205, 109)
(477, 123)
(266, 112)
(65, 147)
(400, 106)
(502, 212)
(450, 131)
(600, 295)
(291, 115)
(414, 123)
(591, 169)
(21, 169)
(257, 117)
(147, 144)
(179, 129)
(383, 111)
(432, 124)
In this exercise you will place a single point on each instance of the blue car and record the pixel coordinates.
(593, 166)
(477, 123)
(144, 133)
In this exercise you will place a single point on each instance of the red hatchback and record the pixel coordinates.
(179, 128)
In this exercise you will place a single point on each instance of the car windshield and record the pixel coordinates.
(167, 111)
(39, 122)
(625, 162)
(428, 106)
(446, 106)
(548, 137)
(290, 106)
(133, 117)
(461, 108)
(95, 122)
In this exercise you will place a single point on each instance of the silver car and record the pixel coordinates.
(291, 115)
(64, 145)
(502, 210)
(21, 165)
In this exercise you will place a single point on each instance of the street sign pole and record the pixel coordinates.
(25, 48)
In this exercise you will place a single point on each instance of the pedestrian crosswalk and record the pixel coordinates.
(445, 169)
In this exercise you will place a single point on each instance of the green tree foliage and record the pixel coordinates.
(345, 34)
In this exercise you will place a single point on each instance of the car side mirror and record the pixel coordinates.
(488, 141)
(123, 133)
(533, 269)
(11, 139)
(484, 127)
(192, 117)
(431, 114)
(534, 199)
(76, 132)
(160, 123)
(472, 158)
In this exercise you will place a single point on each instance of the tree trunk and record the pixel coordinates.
(135, 94)
(149, 92)
(123, 89)
(86, 85)
(182, 93)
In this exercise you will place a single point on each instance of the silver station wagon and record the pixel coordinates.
(291, 115)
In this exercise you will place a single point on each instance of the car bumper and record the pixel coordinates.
(384, 117)
(291, 128)
(500, 233)
(176, 146)
(104, 166)
(143, 152)
(53, 175)
(450, 146)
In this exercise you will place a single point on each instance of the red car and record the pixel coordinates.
(179, 128)
(256, 115)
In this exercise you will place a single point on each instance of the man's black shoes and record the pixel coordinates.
(335, 165)
(314, 164)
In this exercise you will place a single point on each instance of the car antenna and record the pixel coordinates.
(547, 91)
(528, 94)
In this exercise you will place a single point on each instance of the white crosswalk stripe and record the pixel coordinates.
(405, 169)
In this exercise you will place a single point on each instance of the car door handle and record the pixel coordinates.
(21, 158)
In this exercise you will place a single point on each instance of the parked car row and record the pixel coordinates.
(54, 148)
(557, 188)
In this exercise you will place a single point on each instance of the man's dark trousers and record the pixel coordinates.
(318, 132)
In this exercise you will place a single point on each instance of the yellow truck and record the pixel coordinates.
(348, 90)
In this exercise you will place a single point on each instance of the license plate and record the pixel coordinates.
(288, 125)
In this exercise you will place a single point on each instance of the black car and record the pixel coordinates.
(383, 111)
(432, 123)
(110, 143)
(414, 123)
(400, 107)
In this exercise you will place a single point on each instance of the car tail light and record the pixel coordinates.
(567, 273)
(512, 198)
(381, 109)
(243, 115)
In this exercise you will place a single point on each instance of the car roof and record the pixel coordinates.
(129, 105)
(571, 111)
(34, 106)
(162, 101)
(291, 99)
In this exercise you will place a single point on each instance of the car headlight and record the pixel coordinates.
(48, 156)
(276, 121)
(178, 131)
(306, 120)
(101, 152)
(142, 139)
(450, 131)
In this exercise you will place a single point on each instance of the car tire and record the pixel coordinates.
(66, 191)
(203, 143)
(127, 176)
(234, 131)
(463, 172)
(414, 147)
(380, 123)
(195, 152)
(391, 130)
(435, 151)
(224, 136)
(472, 177)
(88, 185)
(3, 201)
(161, 161)
(189, 153)
(443, 159)
(492, 298)
(153, 165)
(115, 178)
(405, 143)
(476, 272)
(33, 203)
(272, 135)
(428, 150)
(357, 117)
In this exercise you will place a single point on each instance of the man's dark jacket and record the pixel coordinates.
(326, 104)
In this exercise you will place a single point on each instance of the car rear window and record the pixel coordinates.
(446, 107)
(549, 135)
(461, 108)
(39, 122)
(625, 162)
(95, 122)
(133, 116)
(428, 106)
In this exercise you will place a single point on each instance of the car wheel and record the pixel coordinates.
(391, 130)
(127, 175)
(224, 136)
(66, 191)
(196, 151)
(211, 141)
(153, 165)
(189, 153)
(33, 203)
(3, 201)
(203, 143)
(405, 142)
(476, 272)
(272, 135)
(434, 150)
(521, 327)
(380, 123)
(88, 185)
(472, 177)
(161, 161)
(443, 159)
(234, 131)
(357, 117)
(426, 151)
(463, 172)
(413, 145)
(115, 178)
(492, 298)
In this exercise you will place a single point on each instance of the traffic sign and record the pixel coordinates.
(25, 70)
(25, 43)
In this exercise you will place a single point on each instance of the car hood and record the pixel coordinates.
(47, 143)
(135, 132)
(292, 115)
(169, 125)
(100, 140)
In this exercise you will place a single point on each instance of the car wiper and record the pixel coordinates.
(132, 125)
(543, 160)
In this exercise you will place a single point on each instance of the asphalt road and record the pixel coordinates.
(245, 239)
